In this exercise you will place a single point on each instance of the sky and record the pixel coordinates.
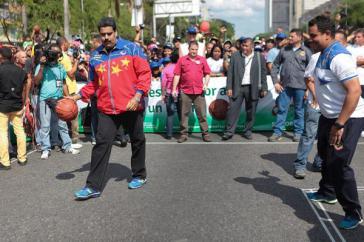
(246, 15)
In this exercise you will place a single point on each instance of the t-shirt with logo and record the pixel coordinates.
(52, 82)
(334, 67)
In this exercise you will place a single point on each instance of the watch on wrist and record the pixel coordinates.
(338, 125)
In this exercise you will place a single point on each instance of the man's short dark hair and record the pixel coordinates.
(324, 25)
(61, 40)
(342, 32)
(107, 22)
(6, 53)
(194, 42)
(360, 31)
(297, 31)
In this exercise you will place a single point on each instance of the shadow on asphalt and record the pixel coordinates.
(283, 160)
(290, 196)
(115, 171)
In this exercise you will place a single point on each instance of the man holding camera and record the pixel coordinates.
(50, 76)
(70, 65)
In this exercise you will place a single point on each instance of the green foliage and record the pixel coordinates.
(355, 13)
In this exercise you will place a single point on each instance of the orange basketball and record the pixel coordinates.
(66, 109)
(218, 109)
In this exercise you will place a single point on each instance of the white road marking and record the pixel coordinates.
(318, 216)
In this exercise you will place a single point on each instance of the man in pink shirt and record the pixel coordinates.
(189, 73)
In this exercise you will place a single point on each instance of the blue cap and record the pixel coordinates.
(191, 30)
(154, 65)
(166, 60)
(281, 35)
(242, 38)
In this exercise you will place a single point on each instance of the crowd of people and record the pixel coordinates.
(320, 72)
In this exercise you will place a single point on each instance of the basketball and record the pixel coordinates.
(218, 109)
(66, 109)
(205, 26)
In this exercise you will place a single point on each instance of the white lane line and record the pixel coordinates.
(15, 159)
(332, 222)
(318, 216)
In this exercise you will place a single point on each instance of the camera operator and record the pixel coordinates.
(71, 68)
(50, 76)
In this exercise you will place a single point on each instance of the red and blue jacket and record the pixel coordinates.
(116, 76)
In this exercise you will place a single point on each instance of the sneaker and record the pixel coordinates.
(275, 138)
(182, 139)
(296, 138)
(136, 183)
(317, 197)
(226, 137)
(76, 146)
(72, 151)
(362, 134)
(350, 223)
(247, 136)
(93, 142)
(23, 163)
(45, 154)
(3, 167)
(299, 174)
(206, 138)
(315, 168)
(86, 193)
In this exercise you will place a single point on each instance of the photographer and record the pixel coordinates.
(71, 68)
(50, 76)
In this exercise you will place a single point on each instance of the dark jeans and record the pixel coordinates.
(233, 112)
(338, 177)
(106, 132)
(172, 107)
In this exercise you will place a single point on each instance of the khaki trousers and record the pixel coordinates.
(16, 118)
(199, 103)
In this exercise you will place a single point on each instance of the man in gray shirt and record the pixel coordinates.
(290, 63)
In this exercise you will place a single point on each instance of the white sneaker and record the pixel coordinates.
(73, 151)
(45, 155)
(362, 134)
(93, 142)
(76, 146)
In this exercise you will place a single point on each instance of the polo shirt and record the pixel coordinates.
(50, 87)
(192, 72)
(358, 51)
(12, 79)
(334, 67)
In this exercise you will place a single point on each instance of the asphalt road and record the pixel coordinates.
(222, 191)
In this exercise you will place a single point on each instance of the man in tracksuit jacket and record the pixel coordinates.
(120, 76)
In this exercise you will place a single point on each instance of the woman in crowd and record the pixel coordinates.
(216, 62)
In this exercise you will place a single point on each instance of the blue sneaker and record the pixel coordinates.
(86, 193)
(317, 197)
(136, 182)
(350, 223)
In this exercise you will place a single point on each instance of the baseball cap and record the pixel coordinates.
(154, 65)
(281, 35)
(191, 30)
(242, 38)
(177, 39)
(228, 41)
(257, 40)
(168, 46)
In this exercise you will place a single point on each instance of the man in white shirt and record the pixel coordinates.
(191, 36)
(246, 80)
(357, 51)
(338, 93)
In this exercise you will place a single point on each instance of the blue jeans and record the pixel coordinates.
(307, 139)
(172, 107)
(283, 102)
(45, 115)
